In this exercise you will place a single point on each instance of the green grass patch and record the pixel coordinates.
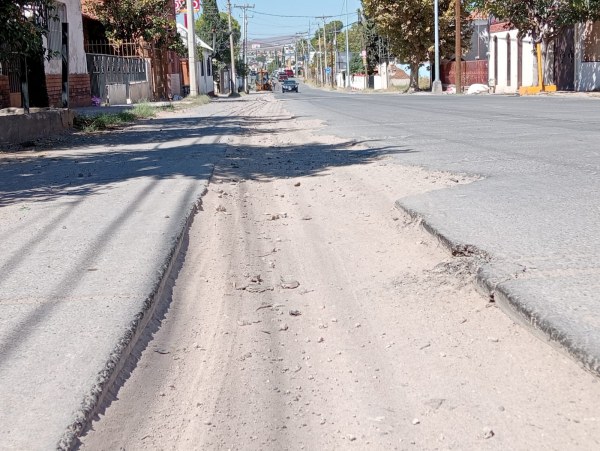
(191, 102)
(143, 110)
(103, 121)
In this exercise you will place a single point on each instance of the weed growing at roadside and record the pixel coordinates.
(103, 121)
(143, 110)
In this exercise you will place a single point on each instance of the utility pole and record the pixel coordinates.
(436, 86)
(335, 58)
(361, 20)
(191, 35)
(347, 49)
(320, 60)
(457, 48)
(245, 8)
(307, 72)
(325, 49)
(324, 46)
(233, 76)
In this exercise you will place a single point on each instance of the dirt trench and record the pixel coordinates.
(309, 313)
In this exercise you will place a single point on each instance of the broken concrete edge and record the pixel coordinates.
(92, 403)
(547, 330)
(490, 282)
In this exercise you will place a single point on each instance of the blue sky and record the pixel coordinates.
(262, 25)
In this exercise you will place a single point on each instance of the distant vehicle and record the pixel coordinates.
(289, 86)
(289, 73)
(282, 77)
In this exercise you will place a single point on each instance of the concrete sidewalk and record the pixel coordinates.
(87, 237)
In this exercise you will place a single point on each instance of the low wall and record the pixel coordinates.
(589, 77)
(138, 91)
(359, 82)
(400, 82)
(18, 128)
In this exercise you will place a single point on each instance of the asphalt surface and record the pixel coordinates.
(534, 215)
(87, 236)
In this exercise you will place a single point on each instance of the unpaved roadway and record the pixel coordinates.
(309, 313)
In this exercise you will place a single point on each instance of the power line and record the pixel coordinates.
(288, 16)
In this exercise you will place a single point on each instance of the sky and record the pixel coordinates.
(271, 18)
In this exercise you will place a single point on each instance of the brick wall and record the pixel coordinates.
(4, 92)
(54, 86)
(79, 90)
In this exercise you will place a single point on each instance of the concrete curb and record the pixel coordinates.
(19, 128)
(495, 280)
(94, 401)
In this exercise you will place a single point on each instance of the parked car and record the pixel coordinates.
(289, 86)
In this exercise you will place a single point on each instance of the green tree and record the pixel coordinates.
(409, 25)
(543, 20)
(371, 42)
(355, 34)
(356, 64)
(213, 28)
(24, 24)
(140, 21)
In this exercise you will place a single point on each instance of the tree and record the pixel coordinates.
(356, 64)
(140, 21)
(354, 38)
(409, 25)
(371, 43)
(543, 20)
(24, 24)
(213, 28)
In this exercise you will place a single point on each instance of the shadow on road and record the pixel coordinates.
(164, 148)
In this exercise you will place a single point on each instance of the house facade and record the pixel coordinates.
(69, 14)
(72, 69)
(575, 56)
(512, 62)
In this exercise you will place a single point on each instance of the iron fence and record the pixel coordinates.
(108, 70)
(129, 49)
(12, 69)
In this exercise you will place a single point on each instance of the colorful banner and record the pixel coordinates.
(181, 6)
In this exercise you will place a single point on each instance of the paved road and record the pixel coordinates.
(535, 213)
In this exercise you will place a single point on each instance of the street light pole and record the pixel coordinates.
(347, 49)
(233, 76)
(436, 86)
(191, 35)
(457, 48)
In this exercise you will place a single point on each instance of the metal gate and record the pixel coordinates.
(108, 70)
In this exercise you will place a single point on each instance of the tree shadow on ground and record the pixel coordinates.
(167, 148)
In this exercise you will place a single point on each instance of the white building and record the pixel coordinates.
(512, 60)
